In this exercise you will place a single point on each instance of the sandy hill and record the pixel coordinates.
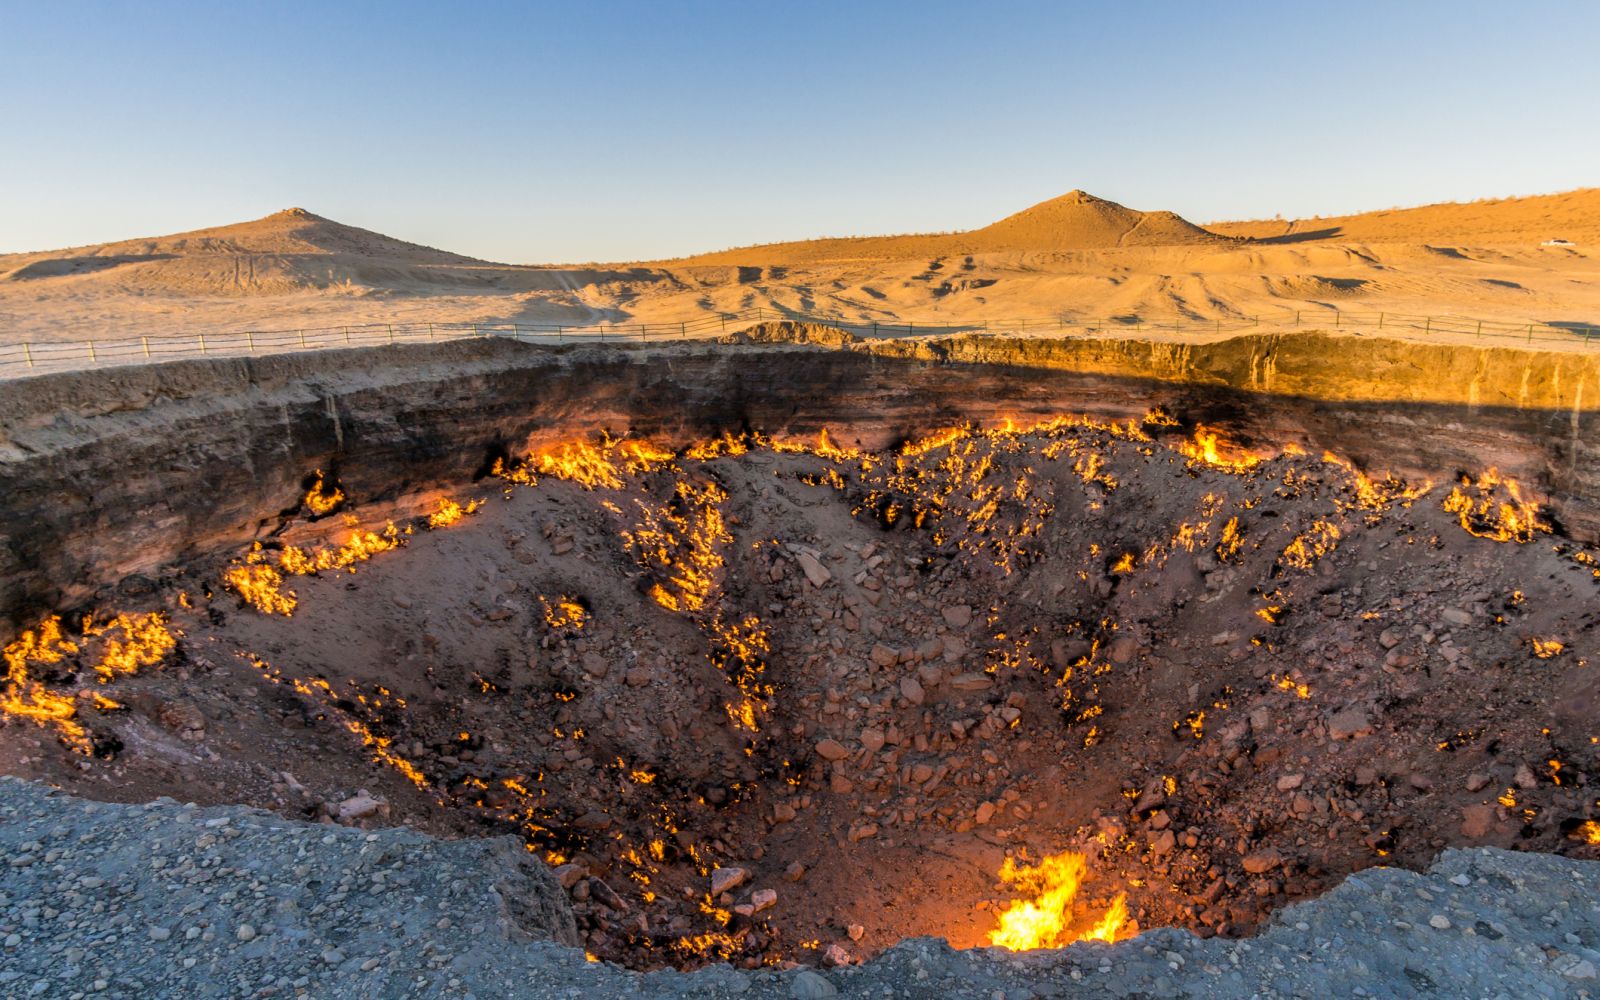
(286, 251)
(1571, 215)
(1075, 221)
(1069, 258)
(1080, 221)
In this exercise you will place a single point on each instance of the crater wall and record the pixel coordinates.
(107, 477)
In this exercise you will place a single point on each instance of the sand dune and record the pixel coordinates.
(1571, 215)
(1074, 221)
(1075, 257)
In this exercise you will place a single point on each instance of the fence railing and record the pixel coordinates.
(26, 358)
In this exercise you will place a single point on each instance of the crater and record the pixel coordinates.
(787, 652)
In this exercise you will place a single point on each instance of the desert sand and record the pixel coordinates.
(1075, 258)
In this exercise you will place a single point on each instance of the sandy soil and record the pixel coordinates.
(1076, 258)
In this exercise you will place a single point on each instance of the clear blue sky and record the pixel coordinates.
(589, 130)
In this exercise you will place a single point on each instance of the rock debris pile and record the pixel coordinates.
(168, 900)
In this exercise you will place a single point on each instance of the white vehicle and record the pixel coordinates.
(1558, 243)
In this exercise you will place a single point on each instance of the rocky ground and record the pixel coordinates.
(168, 900)
(765, 704)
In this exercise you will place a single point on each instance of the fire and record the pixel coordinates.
(1512, 519)
(1048, 920)
(144, 641)
(564, 612)
(1589, 832)
(320, 499)
(362, 545)
(1288, 683)
(261, 586)
(135, 642)
(1317, 541)
(1373, 495)
(1546, 649)
(450, 512)
(1210, 447)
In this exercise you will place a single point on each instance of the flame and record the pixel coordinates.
(450, 512)
(1546, 649)
(1210, 447)
(261, 586)
(1231, 542)
(728, 444)
(1503, 520)
(145, 640)
(320, 500)
(1317, 541)
(1047, 920)
(564, 612)
(1288, 683)
(26, 698)
(1589, 832)
(136, 641)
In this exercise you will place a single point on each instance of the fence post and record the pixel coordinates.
(430, 331)
(683, 331)
(1480, 329)
(92, 356)
(250, 339)
(641, 333)
(1380, 321)
(302, 340)
(27, 352)
(391, 333)
(145, 343)
(347, 336)
(1338, 316)
(1427, 324)
(1297, 317)
(202, 343)
(559, 329)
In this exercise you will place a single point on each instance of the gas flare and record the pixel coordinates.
(450, 512)
(1048, 919)
(1210, 447)
(128, 643)
(321, 499)
(1487, 515)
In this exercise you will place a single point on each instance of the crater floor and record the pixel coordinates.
(765, 701)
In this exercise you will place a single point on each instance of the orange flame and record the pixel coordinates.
(450, 512)
(320, 499)
(1212, 448)
(1047, 920)
(1510, 520)
(1546, 649)
(140, 641)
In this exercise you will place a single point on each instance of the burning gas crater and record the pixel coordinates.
(763, 699)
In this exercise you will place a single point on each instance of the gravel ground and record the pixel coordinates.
(169, 900)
